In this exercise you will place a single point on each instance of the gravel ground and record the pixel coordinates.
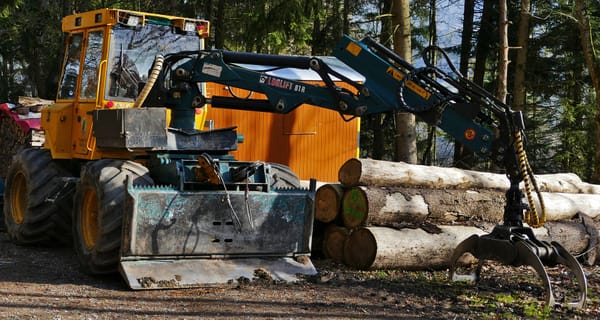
(45, 283)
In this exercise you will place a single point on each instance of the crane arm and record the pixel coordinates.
(481, 123)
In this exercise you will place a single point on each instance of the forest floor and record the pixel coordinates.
(45, 283)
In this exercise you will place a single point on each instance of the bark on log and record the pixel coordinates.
(333, 242)
(382, 207)
(328, 202)
(415, 249)
(394, 207)
(32, 104)
(34, 101)
(574, 236)
(407, 249)
(368, 172)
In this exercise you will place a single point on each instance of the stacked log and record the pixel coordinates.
(387, 206)
(328, 201)
(334, 240)
(397, 215)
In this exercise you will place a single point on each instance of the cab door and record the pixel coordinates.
(58, 119)
(88, 94)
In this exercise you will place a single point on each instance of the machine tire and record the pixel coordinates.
(30, 218)
(282, 177)
(98, 212)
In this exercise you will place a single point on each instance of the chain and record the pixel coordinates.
(531, 216)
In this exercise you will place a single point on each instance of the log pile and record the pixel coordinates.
(13, 137)
(396, 215)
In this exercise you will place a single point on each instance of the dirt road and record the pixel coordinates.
(45, 283)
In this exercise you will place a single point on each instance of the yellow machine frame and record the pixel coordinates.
(68, 123)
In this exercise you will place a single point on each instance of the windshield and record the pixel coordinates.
(132, 53)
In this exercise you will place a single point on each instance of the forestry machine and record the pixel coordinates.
(128, 169)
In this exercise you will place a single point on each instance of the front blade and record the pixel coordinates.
(164, 222)
(188, 273)
(177, 239)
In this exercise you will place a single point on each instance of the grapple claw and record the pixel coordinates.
(528, 257)
(469, 245)
(518, 246)
(565, 258)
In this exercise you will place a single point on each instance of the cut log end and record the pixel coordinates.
(350, 173)
(355, 207)
(360, 249)
(328, 200)
(333, 242)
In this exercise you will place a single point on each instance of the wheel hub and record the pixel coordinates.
(89, 218)
(18, 198)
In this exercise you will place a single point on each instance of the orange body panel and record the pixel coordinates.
(314, 142)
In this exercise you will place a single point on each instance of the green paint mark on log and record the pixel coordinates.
(355, 206)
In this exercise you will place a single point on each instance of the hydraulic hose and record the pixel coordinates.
(154, 73)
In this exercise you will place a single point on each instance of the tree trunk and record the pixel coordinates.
(430, 152)
(346, 18)
(503, 52)
(377, 121)
(594, 70)
(406, 137)
(483, 42)
(401, 207)
(518, 91)
(463, 157)
(407, 249)
(415, 249)
(368, 172)
(219, 25)
(467, 36)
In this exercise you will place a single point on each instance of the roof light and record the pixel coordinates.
(199, 26)
(130, 19)
(133, 21)
(203, 28)
(189, 26)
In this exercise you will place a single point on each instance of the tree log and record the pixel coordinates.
(574, 236)
(333, 242)
(328, 202)
(34, 101)
(368, 172)
(382, 207)
(408, 249)
(394, 207)
(415, 249)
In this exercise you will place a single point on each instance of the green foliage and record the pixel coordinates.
(575, 152)
(7, 6)
(560, 107)
(31, 50)
(273, 26)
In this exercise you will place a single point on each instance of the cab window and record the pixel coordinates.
(72, 64)
(132, 53)
(91, 61)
